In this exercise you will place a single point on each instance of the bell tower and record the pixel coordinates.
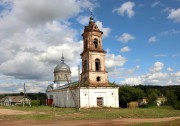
(94, 72)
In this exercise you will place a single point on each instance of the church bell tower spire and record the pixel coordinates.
(93, 56)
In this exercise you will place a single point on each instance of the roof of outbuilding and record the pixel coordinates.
(13, 98)
(2, 99)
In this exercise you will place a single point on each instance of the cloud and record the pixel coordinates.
(42, 11)
(126, 8)
(158, 66)
(169, 69)
(84, 20)
(125, 49)
(106, 31)
(32, 14)
(152, 39)
(107, 50)
(24, 66)
(176, 55)
(113, 60)
(156, 3)
(155, 77)
(119, 72)
(125, 38)
(169, 33)
(174, 14)
(133, 81)
(33, 35)
(160, 55)
(158, 78)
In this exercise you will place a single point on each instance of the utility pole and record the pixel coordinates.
(79, 86)
(24, 94)
(74, 99)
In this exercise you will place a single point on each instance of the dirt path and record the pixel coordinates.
(12, 112)
(103, 122)
(113, 122)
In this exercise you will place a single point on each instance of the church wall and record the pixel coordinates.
(64, 98)
(88, 97)
(108, 94)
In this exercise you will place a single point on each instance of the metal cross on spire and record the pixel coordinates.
(91, 14)
(91, 11)
(62, 58)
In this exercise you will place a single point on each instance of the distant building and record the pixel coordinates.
(161, 100)
(133, 104)
(94, 89)
(14, 100)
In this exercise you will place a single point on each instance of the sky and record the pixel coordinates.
(141, 37)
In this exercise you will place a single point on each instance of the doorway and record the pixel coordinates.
(99, 101)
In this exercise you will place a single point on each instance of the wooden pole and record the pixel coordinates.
(24, 95)
(71, 92)
(79, 86)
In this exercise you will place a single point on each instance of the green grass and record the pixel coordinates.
(153, 112)
(168, 123)
(46, 112)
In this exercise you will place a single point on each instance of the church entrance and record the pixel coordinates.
(99, 101)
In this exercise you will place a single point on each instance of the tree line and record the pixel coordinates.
(129, 93)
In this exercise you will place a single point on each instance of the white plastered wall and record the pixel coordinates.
(89, 96)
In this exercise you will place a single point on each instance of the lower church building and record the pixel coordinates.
(93, 90)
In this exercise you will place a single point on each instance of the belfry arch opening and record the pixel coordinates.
(95, 43)
(98, 79)
(97, 64)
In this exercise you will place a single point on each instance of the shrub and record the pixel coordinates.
(144, 106)
(35, 102)
(177, 105)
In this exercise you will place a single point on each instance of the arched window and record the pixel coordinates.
(97, 65)
(98, 79)
(95, 43)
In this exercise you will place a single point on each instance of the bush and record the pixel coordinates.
(177, 105)
(22, 104)
(35, 102)
(144, 106)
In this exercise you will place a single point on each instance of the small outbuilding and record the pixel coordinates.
(14, 100)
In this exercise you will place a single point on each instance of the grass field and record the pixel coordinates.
(46, 112)
(168, 123)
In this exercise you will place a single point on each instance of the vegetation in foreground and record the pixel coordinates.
(46, 112)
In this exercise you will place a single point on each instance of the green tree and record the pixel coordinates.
(128, 93)
(152, 95)
(113, 84)
(171, 97)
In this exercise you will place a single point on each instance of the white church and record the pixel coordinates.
(93, 89)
